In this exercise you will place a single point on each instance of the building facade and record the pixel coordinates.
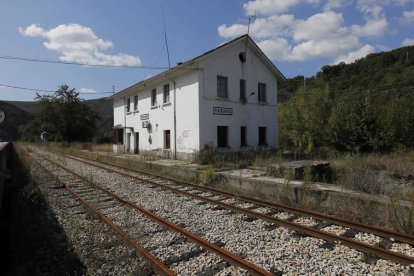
(224, 99)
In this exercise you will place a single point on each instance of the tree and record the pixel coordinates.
(66, 116)
(354, 126)
(303, 120)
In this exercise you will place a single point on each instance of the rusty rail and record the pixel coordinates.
(155, 263)
(369, 249)
(398, 236)
(226, 255)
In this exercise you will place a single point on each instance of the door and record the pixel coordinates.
(167, 142)
(136, 145)
(128, 143)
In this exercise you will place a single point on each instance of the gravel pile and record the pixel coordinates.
(276, 249)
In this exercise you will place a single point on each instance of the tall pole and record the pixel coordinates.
(165, 36)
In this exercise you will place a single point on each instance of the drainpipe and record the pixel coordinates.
(175, 122)
(124, 126)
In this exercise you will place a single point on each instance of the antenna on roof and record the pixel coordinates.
(243, 55)
(165, 36)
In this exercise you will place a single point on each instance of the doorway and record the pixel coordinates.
(167, 139)
(128, 143)
(136, 144)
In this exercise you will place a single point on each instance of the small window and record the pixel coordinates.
(242, 90)
(166, 96)
(222, 87)
(262, 136)
(167, 139)
(243, 136)
(262, 92)
(136, 102)
(128, 104)
(154, 97)
(222, 136)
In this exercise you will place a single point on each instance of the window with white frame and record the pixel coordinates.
(166, 95)
(261, 87)
(242, 89)
(136, 102)
(222, 87)
(128, 105)
(154, 97)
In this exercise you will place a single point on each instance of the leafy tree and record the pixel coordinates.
(303, 121)
(30, 131)
(353, 125)
(66, 116)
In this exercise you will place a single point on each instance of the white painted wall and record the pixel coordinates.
(188, 128)
(252, 114)
(161, 116)
(196, 95)
(119, 112)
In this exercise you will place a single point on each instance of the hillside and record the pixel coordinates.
(102, 106)
(365, 106)
(374, 72)
(15, 117)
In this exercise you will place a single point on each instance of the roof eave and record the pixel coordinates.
(189, 65)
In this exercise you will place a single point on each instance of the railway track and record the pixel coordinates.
(271, 213)
(99, 200)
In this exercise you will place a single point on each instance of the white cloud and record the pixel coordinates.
(324, 34)
(408, 42)
(276, 49)
(272, 26)
(375, 27)
(232, 31)
(408, 16)
(323, 48)
(77, 43)
(87, 90)
(334, 4)
(268, 7)
(352, 56)
(319, 26)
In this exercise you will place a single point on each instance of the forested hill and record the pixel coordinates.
(15, 117)
(102, 106)
(364, 106)
(386, 69)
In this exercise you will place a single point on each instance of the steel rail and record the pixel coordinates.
(226, 255)
(368, 249)
(402, 237)
(154, 263)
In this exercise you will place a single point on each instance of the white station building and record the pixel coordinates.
(224, 99)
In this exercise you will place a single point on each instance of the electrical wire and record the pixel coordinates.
(47, 91)
(79, 63)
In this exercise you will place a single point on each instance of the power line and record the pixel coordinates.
(47, 91)
(80, 63)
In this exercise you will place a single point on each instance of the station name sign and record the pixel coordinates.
(144, 117)
(222, 110)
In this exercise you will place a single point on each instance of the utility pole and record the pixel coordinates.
(304, 84)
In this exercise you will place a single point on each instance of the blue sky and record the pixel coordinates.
(299, 36)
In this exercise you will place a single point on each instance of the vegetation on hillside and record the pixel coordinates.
(366, 106)
(64, 116)
(14, 118)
